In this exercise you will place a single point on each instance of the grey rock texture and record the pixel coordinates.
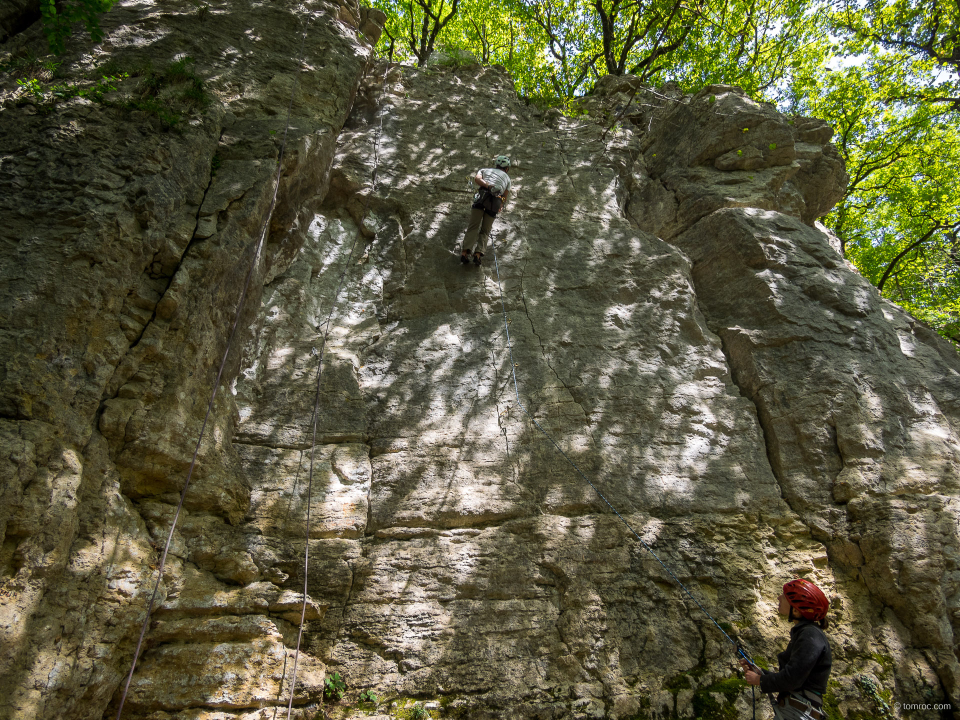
(678, 322)
(859, 404)
(125, 247)
(16, 16)
(720, 149)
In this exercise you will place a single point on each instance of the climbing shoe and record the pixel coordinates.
(476, 257)
(464, 258)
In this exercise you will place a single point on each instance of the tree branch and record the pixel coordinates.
(911, 246)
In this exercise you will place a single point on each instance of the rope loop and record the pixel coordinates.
(254, 263)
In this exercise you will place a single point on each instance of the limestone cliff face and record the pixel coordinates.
(125, 247)
(680, 325)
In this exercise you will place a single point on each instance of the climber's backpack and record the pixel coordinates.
(491, 199)
(490, 203)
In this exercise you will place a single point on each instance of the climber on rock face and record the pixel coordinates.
(805, 664)
(494, 184)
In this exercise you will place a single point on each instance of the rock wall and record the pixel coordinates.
(679, 322)
(125, 246)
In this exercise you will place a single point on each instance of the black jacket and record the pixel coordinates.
(804, 665)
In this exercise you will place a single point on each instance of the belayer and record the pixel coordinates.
(805, 664)
(494, 187)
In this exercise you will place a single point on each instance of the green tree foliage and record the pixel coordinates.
(927, 29)
(895, 111)
(759, 45)
(751, 43)
(899, 218)
(418, 24)
(59, 18)
(494, 34)
(504, 35)
(564, 29)
(636, 36)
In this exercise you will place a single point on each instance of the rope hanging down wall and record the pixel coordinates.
(513, 367)
(738, 647)
(254, 263)
(316, 401)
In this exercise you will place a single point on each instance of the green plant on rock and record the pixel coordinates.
(19, 63)
(32, 87)
(707, 707)
(65, 91)
(454, 57)
(111, 66)
(29, 66)
(419, 712)
(886, 663)
(678, 683)
(367, 697)
(165, 93)
(831, 705)
(876, 695)
(644, 713)
(169, 92)
(154, 107)
(95, 93)
(59, 17)
(334, 688)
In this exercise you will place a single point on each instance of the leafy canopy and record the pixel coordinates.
(893, 98)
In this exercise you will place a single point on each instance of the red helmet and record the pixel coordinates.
(807, 599)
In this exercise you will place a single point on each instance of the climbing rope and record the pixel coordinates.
(506, 326)
(258, 248)
(316, 402)
(738, 647)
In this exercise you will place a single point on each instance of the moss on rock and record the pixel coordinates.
(707, 707)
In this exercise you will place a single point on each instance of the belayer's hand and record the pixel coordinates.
(750, 673)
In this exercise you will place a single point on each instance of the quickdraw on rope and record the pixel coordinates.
(316, 403)
(258, 248)
(506, 326)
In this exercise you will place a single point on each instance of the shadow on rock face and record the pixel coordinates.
(676, 324)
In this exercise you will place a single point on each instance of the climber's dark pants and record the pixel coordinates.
(478, 231)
